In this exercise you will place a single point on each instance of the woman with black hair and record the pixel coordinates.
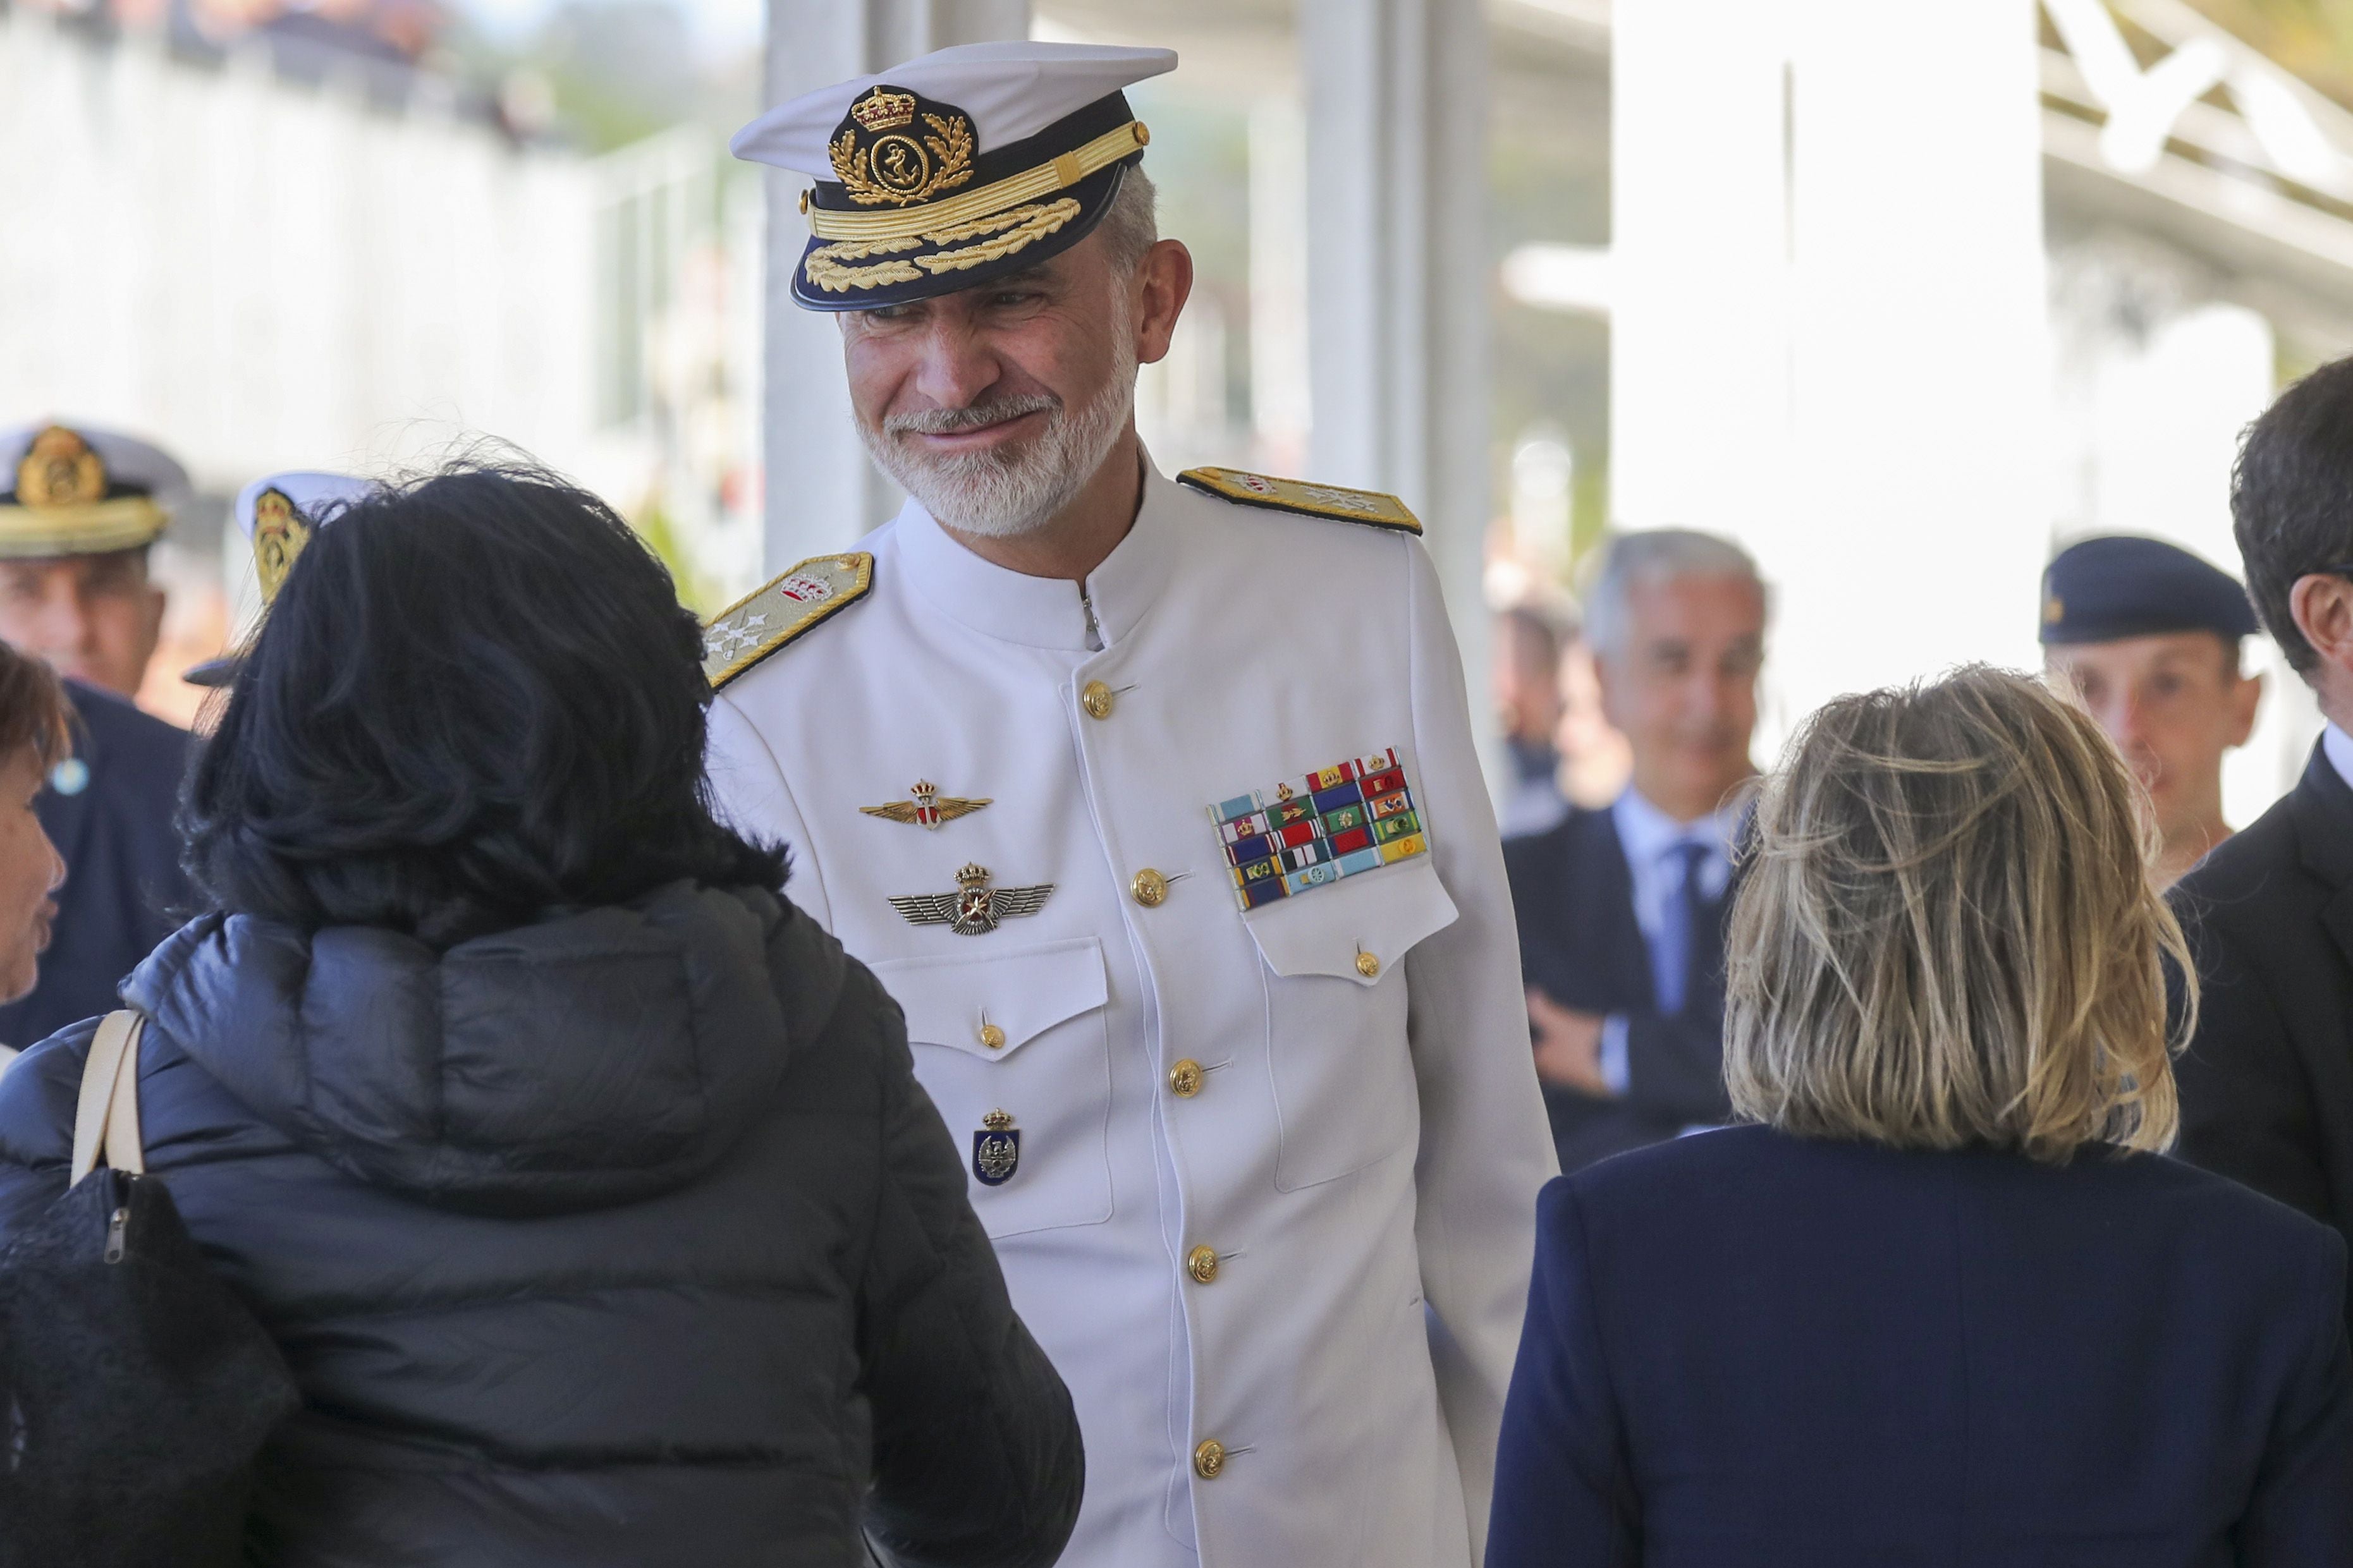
(584, 1181)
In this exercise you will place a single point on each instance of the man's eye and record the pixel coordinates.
(1013, 300)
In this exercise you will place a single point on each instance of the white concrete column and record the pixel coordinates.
(822, 493)
(1921, 517)
(1400, 273)
(1864, 410)
(1699, 349)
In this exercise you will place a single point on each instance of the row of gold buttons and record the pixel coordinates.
(1149, 887)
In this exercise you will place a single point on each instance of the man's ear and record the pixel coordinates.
(1608, 690)
(2244, 699)
(153, 602)
(1164, 282)
(2321, 604)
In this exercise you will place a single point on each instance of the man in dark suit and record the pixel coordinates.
(79, 510)
(2267, 1082)
(1621, 911)
(109, 809)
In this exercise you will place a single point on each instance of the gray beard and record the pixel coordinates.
(1007, 493)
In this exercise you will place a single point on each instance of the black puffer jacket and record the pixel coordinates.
(623, 1238)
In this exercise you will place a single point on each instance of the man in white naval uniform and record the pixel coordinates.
(1155, 806)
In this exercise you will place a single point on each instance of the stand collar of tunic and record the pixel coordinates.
(1045, 612)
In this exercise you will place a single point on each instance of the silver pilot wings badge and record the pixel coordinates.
(975, 908)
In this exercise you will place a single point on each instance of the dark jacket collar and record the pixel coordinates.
(2322, 806)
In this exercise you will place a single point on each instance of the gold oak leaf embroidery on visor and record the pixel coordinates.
(1011, 231)
(859, 250)
(835, 278)
(1026, 225)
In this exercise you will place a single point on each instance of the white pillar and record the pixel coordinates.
(1699, 354)
(822, 493)
(1865, 409)
(1398, 274)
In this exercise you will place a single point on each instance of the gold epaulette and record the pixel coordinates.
(752, 627)
(1370, 508)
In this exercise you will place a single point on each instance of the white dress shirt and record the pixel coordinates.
(1653, 843)
(2339, 745)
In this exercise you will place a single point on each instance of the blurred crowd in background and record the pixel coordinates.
(347, 232)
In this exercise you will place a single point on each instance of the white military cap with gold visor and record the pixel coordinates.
(278, 515)
(75, 490)
(955, 168)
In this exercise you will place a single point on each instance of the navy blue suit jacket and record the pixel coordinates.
(1745, 1350)
(123, 863)
(1580, 944)
(2267, 1084)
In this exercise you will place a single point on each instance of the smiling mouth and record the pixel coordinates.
(977, 435)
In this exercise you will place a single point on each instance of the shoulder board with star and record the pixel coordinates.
(757, 625)
(1370, 508)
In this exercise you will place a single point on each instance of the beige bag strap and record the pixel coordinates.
(107, 1115)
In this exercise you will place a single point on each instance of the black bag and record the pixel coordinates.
(135, 1389)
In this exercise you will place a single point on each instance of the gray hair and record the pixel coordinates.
(1132, 224)
(1657, 555)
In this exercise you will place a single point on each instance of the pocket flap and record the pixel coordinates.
(1378, 915)
(965, 1003)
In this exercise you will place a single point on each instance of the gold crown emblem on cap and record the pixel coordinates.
(280, 532)
(2054, 610)
(60, 470)
(883, 109)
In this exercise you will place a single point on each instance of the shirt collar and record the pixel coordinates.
(1043, 612)
(1649, 833)
(2339, 745)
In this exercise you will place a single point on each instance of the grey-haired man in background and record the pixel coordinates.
(1622, 910)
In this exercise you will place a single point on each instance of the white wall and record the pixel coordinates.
(264, 275)
(1830, 336)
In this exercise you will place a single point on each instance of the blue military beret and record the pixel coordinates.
(2121, 585)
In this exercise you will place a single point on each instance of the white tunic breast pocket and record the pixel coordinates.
(1014, 1042)
(1336, 1017)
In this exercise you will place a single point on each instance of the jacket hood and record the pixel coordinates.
(594, 1057)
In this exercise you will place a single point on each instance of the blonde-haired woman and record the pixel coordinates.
(1944, 1303)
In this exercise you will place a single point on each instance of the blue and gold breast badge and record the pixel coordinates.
(996, 1149)
(975, 908)
(1352, 817)
(928, 810)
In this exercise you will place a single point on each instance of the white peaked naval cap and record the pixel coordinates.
(314, 496)
(278, 513)
(1012, 90)
(950, 171)
(76, 489)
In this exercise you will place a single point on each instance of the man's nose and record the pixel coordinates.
(60, 625)
(956, 366)
(1705, 697)
(2121, 718)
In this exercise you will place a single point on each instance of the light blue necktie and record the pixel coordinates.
(1670, 954)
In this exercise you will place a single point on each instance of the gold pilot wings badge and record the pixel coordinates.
(752, 628)
(1370, 508)
(928, 810)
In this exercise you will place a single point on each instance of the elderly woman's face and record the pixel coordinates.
(30, 870)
